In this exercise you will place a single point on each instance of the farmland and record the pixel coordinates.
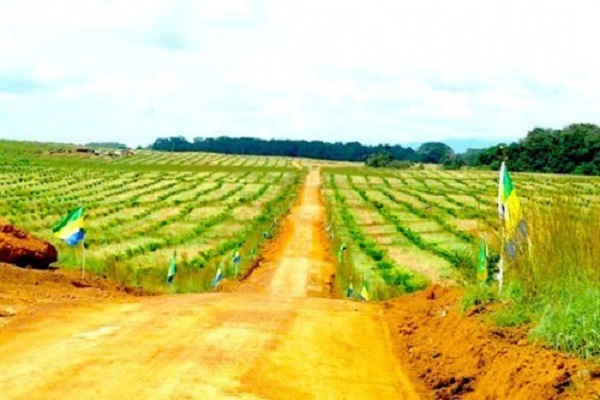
(140, 213)
(307, 231)
(402, 229)
(393, 231)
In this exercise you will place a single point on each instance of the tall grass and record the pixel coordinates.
(554, 279)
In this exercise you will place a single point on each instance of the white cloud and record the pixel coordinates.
(387, 71)
(210, 10)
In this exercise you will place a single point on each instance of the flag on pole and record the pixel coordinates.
(364, 293)
(350, 291)
(509, 210)
(236, 262)
(482, 265)
(71, 227)
(172, 269)
(341, 252)
(218, 277)
(509, 206)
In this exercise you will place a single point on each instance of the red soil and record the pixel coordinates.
(26, 293)
(20, 248)
(460, 356)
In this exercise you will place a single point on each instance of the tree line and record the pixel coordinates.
(338, 151)
(574, 149)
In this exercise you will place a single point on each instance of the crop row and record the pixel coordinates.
(393, 274)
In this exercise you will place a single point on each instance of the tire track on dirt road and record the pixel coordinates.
(276, 336)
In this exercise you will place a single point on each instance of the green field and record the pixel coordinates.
(402, 229)
(141, 209)
(415, 226)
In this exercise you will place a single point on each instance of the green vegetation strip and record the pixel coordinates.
(404, 279)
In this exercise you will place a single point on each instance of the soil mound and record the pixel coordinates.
(22, 249)
(28, 294)
(460, 356)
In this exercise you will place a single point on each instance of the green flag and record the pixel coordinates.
(482, 265)
(71, 227)
(350, 291)
(341, 252)
(172, 269)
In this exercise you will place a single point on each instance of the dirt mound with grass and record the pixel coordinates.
(20, 248)
(460, 356)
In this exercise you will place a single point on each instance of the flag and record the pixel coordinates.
(172, 269)
(509, 206)
(218, 277)
(70, 228)
(482, 265)
(236, 257)
(364, 293)
(341, 252)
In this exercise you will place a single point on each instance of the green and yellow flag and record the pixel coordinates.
(482, 265)
(172, 269)
(364, 293)
(71, 227)
(509, 206)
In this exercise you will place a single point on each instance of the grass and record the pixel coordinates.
(554, 280)
(570, 320)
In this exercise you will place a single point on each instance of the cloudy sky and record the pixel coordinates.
(393, 71)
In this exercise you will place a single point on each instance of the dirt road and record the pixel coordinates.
(277, 336)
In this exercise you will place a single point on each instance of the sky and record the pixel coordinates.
(398, 71)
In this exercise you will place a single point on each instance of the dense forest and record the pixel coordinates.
(573, 149)
(352, 151)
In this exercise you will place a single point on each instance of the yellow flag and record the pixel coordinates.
(364, 294)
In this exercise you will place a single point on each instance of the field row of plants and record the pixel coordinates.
(429, 220)
(166, 158)
(137, 217)
(361, 260)
(430, 224)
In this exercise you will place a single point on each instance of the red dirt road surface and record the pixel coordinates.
(268, 339)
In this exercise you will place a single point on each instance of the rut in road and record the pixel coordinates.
(268, 340)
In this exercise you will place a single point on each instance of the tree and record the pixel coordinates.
(434, 152)
(452, 162)
(352, 151)
(378, 160)
(573, 149)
